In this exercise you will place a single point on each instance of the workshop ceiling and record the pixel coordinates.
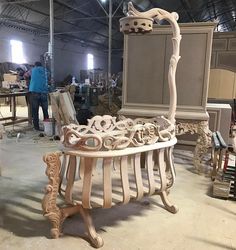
(86, 22)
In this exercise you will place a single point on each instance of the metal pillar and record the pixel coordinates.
(51, 41)
(109, 52)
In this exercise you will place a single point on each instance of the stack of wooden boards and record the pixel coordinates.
(229, 175)
(224, 185)
(63, 109)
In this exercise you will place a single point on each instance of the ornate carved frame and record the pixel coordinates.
(105, 137)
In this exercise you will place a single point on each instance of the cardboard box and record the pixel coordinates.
(10, 77)
(5, 84)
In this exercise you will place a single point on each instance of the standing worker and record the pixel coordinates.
(39, 93)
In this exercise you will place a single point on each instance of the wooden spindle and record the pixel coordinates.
(70, 176)
(87, 183)
(149, 167)
(107, 183)
(125, 179)
(62, 173)
(138, 176)
(162, 170)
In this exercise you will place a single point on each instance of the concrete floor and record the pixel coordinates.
(202, 222)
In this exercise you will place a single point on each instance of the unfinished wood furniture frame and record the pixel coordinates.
(152, 98)
(112, 144)
(201, 128)
(63, 110)
(14, 119)
(118, 146)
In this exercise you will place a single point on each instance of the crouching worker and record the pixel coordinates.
(39, 93)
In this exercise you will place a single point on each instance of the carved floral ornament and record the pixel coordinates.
(104, 132)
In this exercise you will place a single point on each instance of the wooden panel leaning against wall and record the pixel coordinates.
(222, 84)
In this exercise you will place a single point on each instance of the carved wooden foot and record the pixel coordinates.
(169, 207)
(49, 205)
(56, 220)
(95, 238)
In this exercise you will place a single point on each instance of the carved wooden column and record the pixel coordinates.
(203, 142)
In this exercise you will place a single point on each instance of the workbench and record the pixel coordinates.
(13, 118)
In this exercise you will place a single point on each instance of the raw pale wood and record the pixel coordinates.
(49, 205)
(113, 141)
(87, 186)
(138, 176)
(81, 167)
(107, 182)
(70, 176)
(62, 173)
(140, 21)
(67, 106)
(116, 163)
(96, 239)
(168, 205)
(125, 179)
(162, 170)
(151, 181)
(221, 189)
(55, 109)
(170, 170)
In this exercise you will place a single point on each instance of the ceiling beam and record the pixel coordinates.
(186, 6)
(79, 11)
(18, 22)
(16, 2)
(59, 19)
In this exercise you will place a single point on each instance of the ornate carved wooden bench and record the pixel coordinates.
(119, 160)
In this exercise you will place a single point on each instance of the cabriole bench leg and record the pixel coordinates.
(163, 166)
(49, 205)
(56, 215)
(95, 238)
(169, 207)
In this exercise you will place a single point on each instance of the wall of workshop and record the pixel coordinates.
(70, 58)
(33, 46)
(117, 63)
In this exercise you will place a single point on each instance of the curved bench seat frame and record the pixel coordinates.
(147, 143)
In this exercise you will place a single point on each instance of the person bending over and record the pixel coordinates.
(39, 93)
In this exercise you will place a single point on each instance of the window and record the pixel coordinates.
(17, 52)
(90, 61)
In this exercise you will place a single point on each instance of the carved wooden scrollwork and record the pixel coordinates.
(105, 132)
(108, 133)
(203, 141)
(49, 205)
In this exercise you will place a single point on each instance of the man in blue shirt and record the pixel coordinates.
(39, 93)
